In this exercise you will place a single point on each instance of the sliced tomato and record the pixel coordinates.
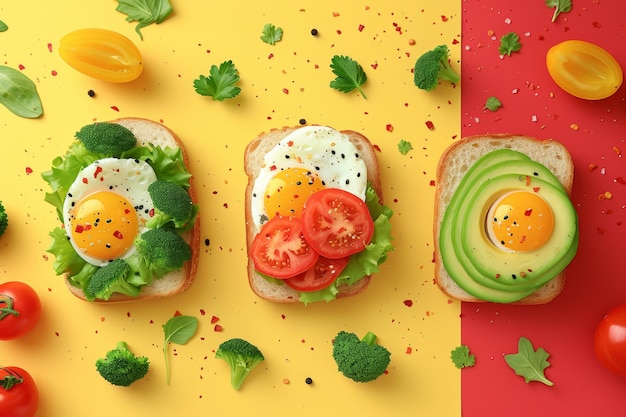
(320, 276)
(280, 250)
(336, 223)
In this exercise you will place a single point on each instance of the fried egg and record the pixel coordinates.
(307, 160)
(520, 221)
(106, 207)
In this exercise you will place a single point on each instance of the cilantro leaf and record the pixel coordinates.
(560, 6)
(492, 103)
(350, 74)
(220, 84)
(529, 363)
(404, 146)
(462, 358)
(271, 34)
(145, 12)
(509, 43)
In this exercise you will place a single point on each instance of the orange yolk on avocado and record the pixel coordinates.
(104, 225)
(287, 191)
(520, 221)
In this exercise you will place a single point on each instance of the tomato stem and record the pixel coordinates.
(6, 307)
(11, 380)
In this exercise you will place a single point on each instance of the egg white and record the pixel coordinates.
(320, 149)
(129, 178)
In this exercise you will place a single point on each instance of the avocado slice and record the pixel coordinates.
(492, 165)
(520, 269)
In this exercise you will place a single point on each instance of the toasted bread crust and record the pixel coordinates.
(148, 131)
(453, 164)
(253, 158)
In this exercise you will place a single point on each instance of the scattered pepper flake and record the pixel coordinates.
(430, 125)
(574, 127)
(617, 151)
(214, 319)
(115, 108)
(409, 350)
(29, 170)
(217, 328)
(592, 167)
(408, 303)
(389, 128)
(361, 27)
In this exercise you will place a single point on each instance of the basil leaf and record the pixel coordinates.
(19, 94)
(178, 329)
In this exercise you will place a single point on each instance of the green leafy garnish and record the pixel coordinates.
(3, 26)
(19, 94)
(560, 6)
(220, 84)
(529, 363)
(493, 103)
(462, 358)
(178, 329)
(404, 146)
(271, 34)
(509, 43)
(350, 74)
(145, 12)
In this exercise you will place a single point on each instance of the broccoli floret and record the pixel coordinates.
(109, 279)
(361, 360)
(121, 367)
(4, 219)
(171, 203)
(432, 67)
(106, 138)
(242, 357)
(164, 250)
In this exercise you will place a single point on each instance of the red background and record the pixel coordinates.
(535, 106)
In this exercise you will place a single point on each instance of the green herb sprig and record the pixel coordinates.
(492, 103)
(220, 84)
(350, 74)
(560, 6)
(529, 363)
(509, 43)
(19, 94)
(462, 358)
(145, 12)
(178, 329)
(271, 34)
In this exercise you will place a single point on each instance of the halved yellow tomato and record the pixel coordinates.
(584, 70)
(102, 54)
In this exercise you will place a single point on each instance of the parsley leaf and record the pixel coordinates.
(493, 103)
(509, 43)
(404, 146)
(462, 358)
(271, 34)
(350, 74)
(220, 84)
(529, 363)
(145, 12)
(560, 6)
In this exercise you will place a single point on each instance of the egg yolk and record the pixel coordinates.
(104, 225)
(520, 221)
(288, 190)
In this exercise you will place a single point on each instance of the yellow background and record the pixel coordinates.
(296, 340)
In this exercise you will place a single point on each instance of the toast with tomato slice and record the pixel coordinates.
(254, 155)
(452, 167)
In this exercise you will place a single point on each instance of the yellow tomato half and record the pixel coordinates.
(102, 54)
(584, 69)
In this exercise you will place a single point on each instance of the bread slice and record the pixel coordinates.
(147, 131)
(253, 161)
(453, 165)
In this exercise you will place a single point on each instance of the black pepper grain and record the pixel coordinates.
(308, 381)
(302, 121)
(314, 32)
(91, 93)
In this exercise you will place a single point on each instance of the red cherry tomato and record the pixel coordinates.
(337, 223)
(610, 340)
(320, 276)
(19, 396)
(279, 249)
(20, 309)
